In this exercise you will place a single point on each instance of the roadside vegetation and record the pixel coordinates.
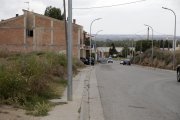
(161, 59)
(29, 80)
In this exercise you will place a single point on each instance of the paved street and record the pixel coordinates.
(138, 93)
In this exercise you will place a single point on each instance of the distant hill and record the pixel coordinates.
(110, 37)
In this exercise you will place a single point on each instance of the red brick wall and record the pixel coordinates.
(13, 22)
(75, 40)
(12, 31)
(59, 34)
(12, 34)
(43, 34)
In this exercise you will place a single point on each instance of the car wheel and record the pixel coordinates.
(178, 75)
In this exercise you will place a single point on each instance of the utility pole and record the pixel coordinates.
(174, 41)
(96, 56)
(69, 52)
(65, 24)
(140, 51)
(152, 55)
(132, 49)
(148, 33)
(91, 35)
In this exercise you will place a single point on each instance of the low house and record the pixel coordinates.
(104, 51)
(35, 32)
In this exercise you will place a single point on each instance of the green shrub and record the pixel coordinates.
(41, 109)
(29, 79)
(161, 59)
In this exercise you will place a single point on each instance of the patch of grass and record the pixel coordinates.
(30, 80)
(40, 109)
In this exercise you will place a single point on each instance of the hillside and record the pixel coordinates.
(114, 37)
(161, 59)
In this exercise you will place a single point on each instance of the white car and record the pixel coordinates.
(122, 62)
(110, 60)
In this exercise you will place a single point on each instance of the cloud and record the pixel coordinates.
(11, 7)
(116, 20)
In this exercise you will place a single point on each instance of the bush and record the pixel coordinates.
(161, 59)
(29, 80)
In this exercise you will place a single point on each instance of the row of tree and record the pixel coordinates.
(141, 46)
(132, 43)
(144, 45)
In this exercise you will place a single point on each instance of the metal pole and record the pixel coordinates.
(95, 43)
(141, 52)
(152, 43)
(140, 46)
(65, 23)
(174, 41)
(148, 34)
(69, 90)
(132, 49)
(91, 36)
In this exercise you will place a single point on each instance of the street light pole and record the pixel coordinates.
(174, 41)
(91, 36)
(152, 42)
(69, 52)
(140, 46)
(95, 43)
(148, 33)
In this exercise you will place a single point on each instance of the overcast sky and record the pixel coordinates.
(126, 19)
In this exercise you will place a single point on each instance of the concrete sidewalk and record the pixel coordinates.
(96, 111)
(86, 104)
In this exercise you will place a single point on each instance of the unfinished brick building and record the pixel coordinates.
(35, 32)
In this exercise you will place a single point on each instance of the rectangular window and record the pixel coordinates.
(29, 33)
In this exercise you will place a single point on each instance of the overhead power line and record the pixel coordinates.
(115, 5)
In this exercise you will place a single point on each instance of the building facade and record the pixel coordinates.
(35, 32)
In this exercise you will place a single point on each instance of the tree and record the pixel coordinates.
(54, 13)
(125, 51)
(87, 41)
(143, 45)
(112, 49)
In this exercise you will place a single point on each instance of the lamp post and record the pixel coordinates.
(140, 46)
(95, 43)
(174, 41)
(152, 42)
(91, 36)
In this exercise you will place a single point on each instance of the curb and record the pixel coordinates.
(91, 107)
(96, 110)
(70, 110)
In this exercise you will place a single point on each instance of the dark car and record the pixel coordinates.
(178, 73)
(83, 59)
(127, 62)
(89, 61)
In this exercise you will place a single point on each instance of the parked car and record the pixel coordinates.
(102, 61)
(83, 59)
(89, 61)
(178, 73)
(122, 61)
(126, 62)
(110, 60)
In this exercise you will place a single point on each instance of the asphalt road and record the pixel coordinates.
(138, 93)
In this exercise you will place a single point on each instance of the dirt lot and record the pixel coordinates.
(10, 113)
